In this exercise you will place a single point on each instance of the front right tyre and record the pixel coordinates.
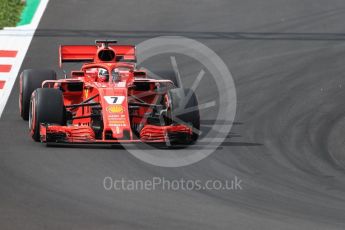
(46, 106)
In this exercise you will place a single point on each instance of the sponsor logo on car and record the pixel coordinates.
(119, 123)
(115, 109)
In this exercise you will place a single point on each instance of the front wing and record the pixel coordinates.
(51, 133)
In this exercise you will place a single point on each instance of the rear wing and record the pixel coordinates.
(87, 53)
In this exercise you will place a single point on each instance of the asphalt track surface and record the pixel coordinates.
(287, 145)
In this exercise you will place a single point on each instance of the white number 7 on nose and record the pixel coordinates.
(114, 100)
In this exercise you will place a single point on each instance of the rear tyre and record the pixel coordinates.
(183, 109)
(31, 79)
(46, 106)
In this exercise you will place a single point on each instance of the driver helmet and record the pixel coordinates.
(103, 75)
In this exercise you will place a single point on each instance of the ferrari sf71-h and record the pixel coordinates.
(108, 100)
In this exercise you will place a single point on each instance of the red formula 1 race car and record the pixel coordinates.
(108, 101)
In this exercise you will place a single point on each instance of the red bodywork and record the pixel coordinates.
(117, 110)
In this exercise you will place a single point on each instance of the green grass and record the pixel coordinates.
(10, 11)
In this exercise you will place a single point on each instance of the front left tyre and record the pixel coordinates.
(46, 106)
(184, 109)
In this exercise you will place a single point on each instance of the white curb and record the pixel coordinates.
(16, 39)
